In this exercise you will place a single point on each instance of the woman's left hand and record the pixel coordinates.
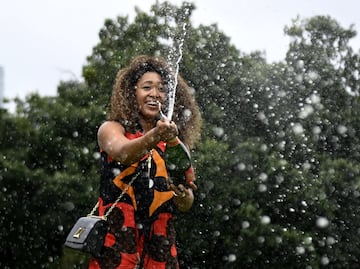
(183, 197)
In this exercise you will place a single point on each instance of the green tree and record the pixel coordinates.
(46, 156)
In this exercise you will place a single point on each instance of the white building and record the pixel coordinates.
(1, 85)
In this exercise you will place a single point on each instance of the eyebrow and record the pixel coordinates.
(152, 82)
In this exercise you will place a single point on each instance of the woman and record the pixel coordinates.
(134, 142)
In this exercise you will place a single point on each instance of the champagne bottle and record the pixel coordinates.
(178, 162)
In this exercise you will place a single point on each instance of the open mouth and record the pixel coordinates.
(152, 105)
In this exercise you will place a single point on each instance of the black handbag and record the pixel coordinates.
(88, 234)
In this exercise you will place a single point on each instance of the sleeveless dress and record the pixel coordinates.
(142, 224)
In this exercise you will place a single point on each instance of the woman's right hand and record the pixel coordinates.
(167, 130)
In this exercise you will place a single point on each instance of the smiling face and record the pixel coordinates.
(149, 91)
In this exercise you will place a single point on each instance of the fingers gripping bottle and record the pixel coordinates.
(178, 163)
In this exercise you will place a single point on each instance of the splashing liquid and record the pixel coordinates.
(173, 85)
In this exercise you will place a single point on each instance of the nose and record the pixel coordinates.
(155, 91)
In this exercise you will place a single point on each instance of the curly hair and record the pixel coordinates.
(124, 109)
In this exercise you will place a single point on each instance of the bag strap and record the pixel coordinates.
(116, 201)
(149, 158)
(91, 214)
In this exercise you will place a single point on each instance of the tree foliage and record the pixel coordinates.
(278, 165)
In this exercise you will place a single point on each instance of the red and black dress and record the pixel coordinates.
(142, 223)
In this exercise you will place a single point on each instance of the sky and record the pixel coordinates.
(43, 42)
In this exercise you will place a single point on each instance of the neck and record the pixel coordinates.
(147, 124)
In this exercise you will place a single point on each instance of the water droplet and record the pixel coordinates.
(325, 260)
(322, 222)
(232, 257)
(298, 129)
(300, 250)
(245, 224)
(265, 220)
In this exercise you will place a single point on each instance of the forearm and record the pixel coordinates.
(133, 150)
(112, 139)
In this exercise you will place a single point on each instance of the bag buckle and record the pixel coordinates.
(78, 233)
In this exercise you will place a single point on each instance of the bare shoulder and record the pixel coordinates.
(110, 126)
(110, 130)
